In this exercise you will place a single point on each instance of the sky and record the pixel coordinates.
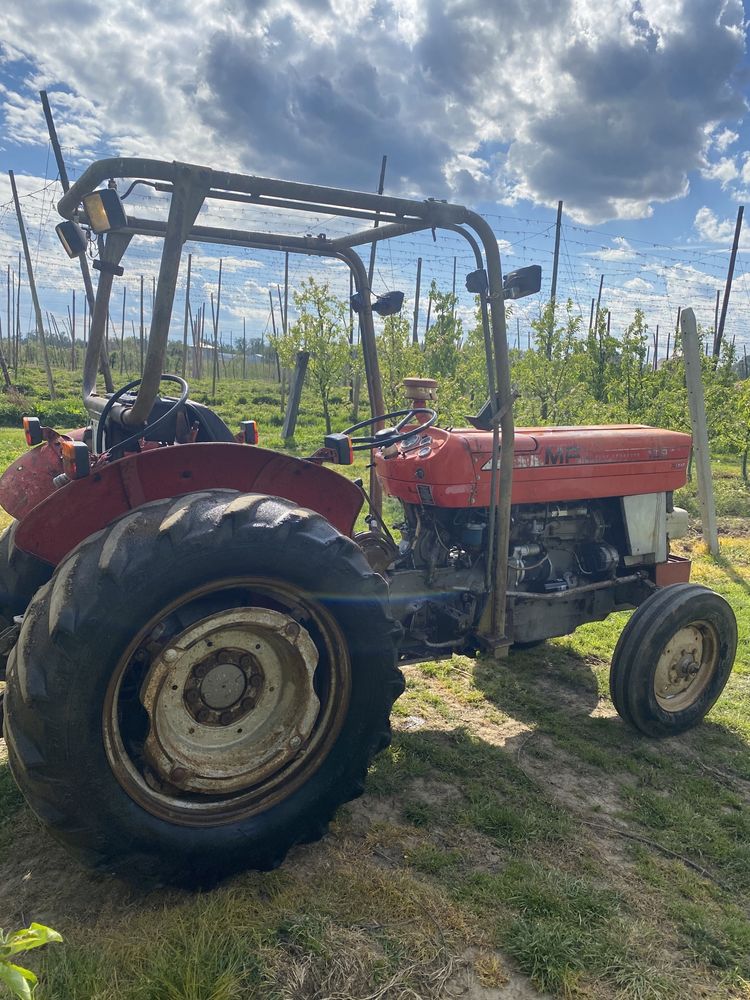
(633, 112)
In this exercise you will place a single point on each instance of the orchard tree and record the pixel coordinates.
(632, 361)
(321, 328)
(549, 376)
(398, 358)
(443, 339)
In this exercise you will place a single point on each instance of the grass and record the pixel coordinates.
(515, 828)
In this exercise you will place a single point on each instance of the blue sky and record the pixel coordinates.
(634, 113)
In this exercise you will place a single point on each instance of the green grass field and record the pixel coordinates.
(516, 838)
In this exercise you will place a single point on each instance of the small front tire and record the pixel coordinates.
(673, 659)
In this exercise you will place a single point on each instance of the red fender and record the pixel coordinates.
(69, 514)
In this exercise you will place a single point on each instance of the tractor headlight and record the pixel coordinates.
(72, 238)
(105, 210)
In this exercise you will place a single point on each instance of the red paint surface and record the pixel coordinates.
(28, 480)
(550, 464)
(674, 570)
(67, 516)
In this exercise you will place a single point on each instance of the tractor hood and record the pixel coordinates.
(452, 468)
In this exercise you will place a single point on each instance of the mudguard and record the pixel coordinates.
(58, 522)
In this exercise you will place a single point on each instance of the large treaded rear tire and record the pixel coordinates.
(646, 638)
(77, 627)
(21, 575)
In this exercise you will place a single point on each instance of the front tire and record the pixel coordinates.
(673, 659)
(200, 686)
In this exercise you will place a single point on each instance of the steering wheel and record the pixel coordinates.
(389, 435)
(117, 396)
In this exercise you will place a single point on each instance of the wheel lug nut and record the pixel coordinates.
(245, 662)
(178, 774)
(192, 696)
(203, 715)
(247, 704)
(201, 670)
(225, 718)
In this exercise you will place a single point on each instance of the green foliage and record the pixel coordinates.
(398, 358)
(321, 329)
(19, 981)
(551, 375)
(443, 339)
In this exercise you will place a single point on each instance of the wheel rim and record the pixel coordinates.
(686, 665)
(227, 701)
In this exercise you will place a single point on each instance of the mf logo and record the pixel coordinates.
(561, 456)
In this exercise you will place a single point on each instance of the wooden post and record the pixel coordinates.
(82, 260)
(591, 315)
(32, 286)
(17, 313)
(744, 354)
(691, 351)
(3, 365)
(677, 329)
(656, 348)
(429, 310)
(8, 327)
(286, 292)
(141, 327)
(716, 312)
(282, 371)
(122, 332)
(598, 304)
(187, 311)
(244, 347)
(216, 328)
(273, 325)
(415, 327)
(730, 274)
(553, 289)
(295, 395)
(73, 335)
(453, 292)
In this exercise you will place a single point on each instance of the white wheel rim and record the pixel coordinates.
(686, 665)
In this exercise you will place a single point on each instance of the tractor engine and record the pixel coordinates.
(589, 505)
(552, 546)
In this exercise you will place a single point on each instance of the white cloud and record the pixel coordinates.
(725, 138)
(605, 106)
(710, 228)
(620, 250)
(723, 170)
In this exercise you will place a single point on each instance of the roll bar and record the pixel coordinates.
(190, 185)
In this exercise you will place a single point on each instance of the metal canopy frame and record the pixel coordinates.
(190, 186)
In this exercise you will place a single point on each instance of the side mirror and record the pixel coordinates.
(389, 304)
(525, 281)
(384, 305)
(476, 282)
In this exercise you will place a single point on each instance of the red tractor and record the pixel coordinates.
(204, 653)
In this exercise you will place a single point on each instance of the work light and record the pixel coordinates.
(72, 238)
(104, 210)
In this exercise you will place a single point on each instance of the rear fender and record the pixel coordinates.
(70, 514)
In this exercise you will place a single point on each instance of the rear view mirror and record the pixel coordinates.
(389, 304)
(384, 305)
(476, 282)
(525, 281)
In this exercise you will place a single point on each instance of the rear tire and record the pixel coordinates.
(673, 659)
(81, 741)
(21, 575)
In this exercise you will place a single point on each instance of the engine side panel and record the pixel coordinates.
(551, 464)
(68, 515)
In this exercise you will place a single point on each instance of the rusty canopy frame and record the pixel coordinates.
(190, 186)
